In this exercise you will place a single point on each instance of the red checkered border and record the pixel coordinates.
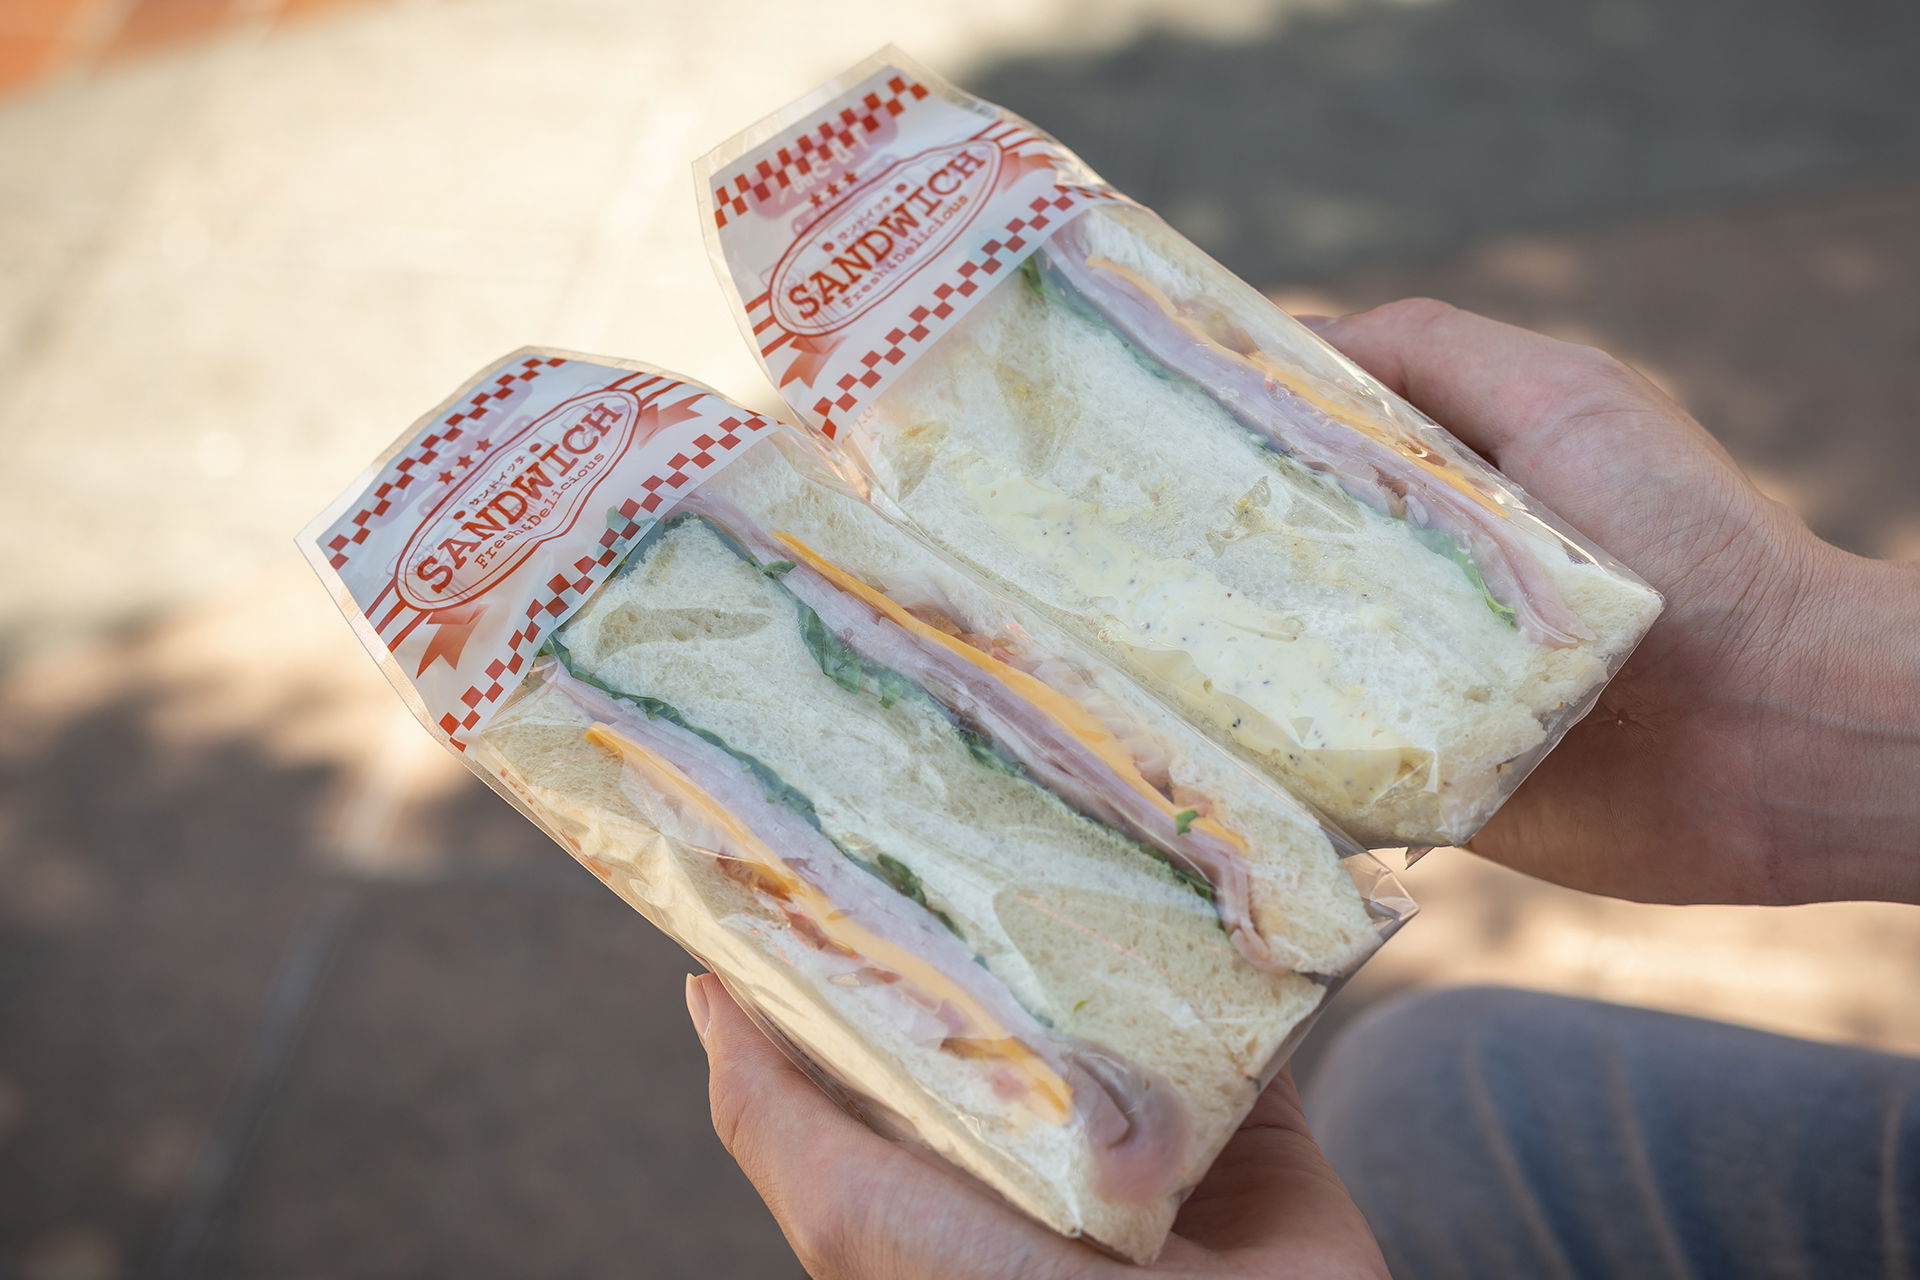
(412, 465)
(928, 319)
(564, 594)
(815, 148)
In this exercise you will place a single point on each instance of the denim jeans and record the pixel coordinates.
(1490, 1134)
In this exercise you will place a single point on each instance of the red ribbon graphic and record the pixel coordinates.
(452, 628)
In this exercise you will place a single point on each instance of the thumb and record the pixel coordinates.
(853, 1205)
(1271, 1191)
(789, 1137)
(1497, 386)
(1596, 442)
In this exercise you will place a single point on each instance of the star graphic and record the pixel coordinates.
(846, 179)
(483, 445)
(446, 477)
(464, 460)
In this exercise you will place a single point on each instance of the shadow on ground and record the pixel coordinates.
(259, 1015)
(1723, 193)
(1334, 136)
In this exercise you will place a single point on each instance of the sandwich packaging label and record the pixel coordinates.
(858, 225)
(502, 509)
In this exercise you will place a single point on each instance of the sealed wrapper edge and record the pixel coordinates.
(822, 251)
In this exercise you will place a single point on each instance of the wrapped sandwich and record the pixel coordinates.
(978, 879)
(1056, 387)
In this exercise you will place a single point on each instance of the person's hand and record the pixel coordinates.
(1763, 744)
(857, 1207)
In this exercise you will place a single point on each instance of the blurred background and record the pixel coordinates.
(283, 991)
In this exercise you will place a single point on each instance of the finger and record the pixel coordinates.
(852, 1204)
(1272, 1190)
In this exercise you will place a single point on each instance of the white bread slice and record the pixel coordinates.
(1087, 932)
(1316, 635)
(1304, 900)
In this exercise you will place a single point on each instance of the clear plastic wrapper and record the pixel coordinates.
(1007, 903)
(1059, 389)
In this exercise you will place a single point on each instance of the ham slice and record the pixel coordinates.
(1373, 459)
(1064, 747)
(863, 936)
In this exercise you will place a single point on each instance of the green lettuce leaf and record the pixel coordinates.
(1443, 543)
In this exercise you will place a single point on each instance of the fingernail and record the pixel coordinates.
(697, 1007)
(1316, 323)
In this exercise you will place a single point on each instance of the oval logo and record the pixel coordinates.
(527, 491)
(864, 249)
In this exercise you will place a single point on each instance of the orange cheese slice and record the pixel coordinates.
(1064, 711)
(1407, 446)
(1044, 1091)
